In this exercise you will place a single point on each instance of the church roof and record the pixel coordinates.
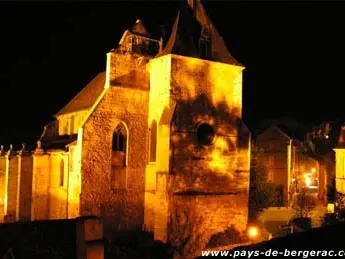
(186, 32)
(86, 97)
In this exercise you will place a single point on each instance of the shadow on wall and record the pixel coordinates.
(218, 163)
(209, 170)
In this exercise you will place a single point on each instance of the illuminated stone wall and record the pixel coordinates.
(209, 176)
(66, 126)
(161, 109)
(25, 166)
(340, 170)
(12, 188)
(3, 193)
(58, 187)
(195, 191)
(40, 186)
(73, 186)
(18, 186)
(33, 188)
(122, 209)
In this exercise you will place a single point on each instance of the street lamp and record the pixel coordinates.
(253, 232)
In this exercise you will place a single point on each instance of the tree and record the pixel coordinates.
(262, 193)
(304, 204)
(320, 139)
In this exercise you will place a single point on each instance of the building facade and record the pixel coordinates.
(288, 164)
(340, 169)
(156, 142)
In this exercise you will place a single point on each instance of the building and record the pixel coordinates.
(156, 142)
(288, 162)
(340, 169)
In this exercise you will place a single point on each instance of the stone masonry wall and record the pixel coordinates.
(25, 187)
(57, 189)
(208, 185)
(74, 181)
(3, 180)
(160, 111)
(12, 188)
(202, 97)
(121, 209)
(40, 186)
(194, 219)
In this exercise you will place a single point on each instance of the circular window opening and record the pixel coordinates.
(205, 134)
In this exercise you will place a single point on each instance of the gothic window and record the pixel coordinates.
(205, 134)
(62, 172)
(119, 146)
(153, 142)
(119, 157)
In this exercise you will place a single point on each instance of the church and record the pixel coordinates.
(155, 142)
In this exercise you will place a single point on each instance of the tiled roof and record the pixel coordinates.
(86, 97)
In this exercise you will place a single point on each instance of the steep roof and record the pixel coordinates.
(186, 32)
(86, 97)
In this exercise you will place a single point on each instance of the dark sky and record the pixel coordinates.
(294, 55)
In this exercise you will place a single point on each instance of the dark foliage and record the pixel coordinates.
(40, 239)
(262, 193)
(137, 245)
(228, 237)
(331, 191)
(302, 223)
(330, 219)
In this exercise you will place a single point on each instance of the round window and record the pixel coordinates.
(205, 134)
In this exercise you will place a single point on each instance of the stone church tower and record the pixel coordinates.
(154, 143)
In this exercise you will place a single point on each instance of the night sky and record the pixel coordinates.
(294, 54)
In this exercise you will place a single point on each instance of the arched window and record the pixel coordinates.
(119, 146)
(153, 142)
(62, 172)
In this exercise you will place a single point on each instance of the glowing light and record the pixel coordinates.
(313, 170)
(330, 208)
(307, 179)
(253, 232)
